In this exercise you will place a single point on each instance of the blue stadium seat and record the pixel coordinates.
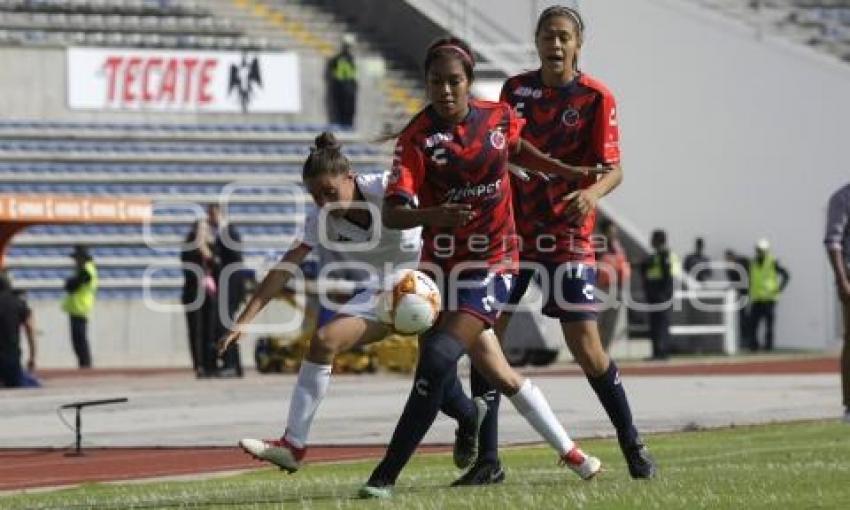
(52, 177)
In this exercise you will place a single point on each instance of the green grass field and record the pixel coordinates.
(781, 467)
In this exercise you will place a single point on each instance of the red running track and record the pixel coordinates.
(32, 468)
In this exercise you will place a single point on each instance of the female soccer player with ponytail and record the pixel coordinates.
(348, 199)
(450, 176)
(573, 117)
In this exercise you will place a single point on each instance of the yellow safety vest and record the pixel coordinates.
(80, 302)
(344, 70)
(656, 270)
(764, 284)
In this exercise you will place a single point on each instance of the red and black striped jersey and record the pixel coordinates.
(577, 124)
(467, 163)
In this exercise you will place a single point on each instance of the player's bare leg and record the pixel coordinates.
(582, 338)
(488, 358)
(339, 335)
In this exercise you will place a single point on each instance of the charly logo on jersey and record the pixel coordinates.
(588, 291)
(344, 231)
(570, 117)
(497, 139)
(439, 155)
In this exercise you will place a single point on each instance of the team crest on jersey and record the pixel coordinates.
(497, 139)
(570, 117)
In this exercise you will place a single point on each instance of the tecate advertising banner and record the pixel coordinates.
(183, 81)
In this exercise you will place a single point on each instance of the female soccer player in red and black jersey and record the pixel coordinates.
(450, 175)
(572, 117)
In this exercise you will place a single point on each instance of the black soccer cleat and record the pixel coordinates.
(640, 462)
(466, 441)
(482, 473)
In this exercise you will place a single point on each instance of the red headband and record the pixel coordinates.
(454, 47)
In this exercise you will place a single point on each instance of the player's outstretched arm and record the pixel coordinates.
(271, 285)
(399, 215)
(530, 157)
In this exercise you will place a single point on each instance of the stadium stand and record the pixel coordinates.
(317, 26)
(822, 24)
(134, 23)
(266, 204)
(214, 25)
(170, 162)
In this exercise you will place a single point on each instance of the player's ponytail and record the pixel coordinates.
(325, 157)
(572, 14)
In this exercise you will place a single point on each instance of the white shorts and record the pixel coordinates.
(361, 304)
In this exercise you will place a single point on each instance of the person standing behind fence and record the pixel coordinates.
(230, 282)
(696, 263)
(838, 249)
(341, 79)
(765, 286)
(199, 297)
(736, 275)
(14, 313)
(614, 271)
(78, 303)
(660, 273)
(573, 117)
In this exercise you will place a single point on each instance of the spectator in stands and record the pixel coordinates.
(613, 272)
(660, 274)
(14, 314)
(737, 268)
(341, 80)
(767, 280)
(200, 298)
(230, 282)
(696, 263)
(838, 248)
(78, 304)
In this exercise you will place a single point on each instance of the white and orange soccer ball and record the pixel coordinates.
(411, 302)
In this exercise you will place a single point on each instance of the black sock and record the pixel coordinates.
(437, 363)
(616, 404)
(488, 440)
(456, 404)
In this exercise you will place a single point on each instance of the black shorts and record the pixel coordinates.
(568, 289)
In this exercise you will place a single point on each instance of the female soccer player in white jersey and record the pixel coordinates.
(345, 227)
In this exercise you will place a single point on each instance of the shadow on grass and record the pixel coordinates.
(312, 497)
(235, 501)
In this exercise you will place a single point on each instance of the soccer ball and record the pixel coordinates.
(410, 304)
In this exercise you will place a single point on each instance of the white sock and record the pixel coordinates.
(532, 405)
(310, 389)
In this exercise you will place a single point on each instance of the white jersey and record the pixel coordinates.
(350, 246)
